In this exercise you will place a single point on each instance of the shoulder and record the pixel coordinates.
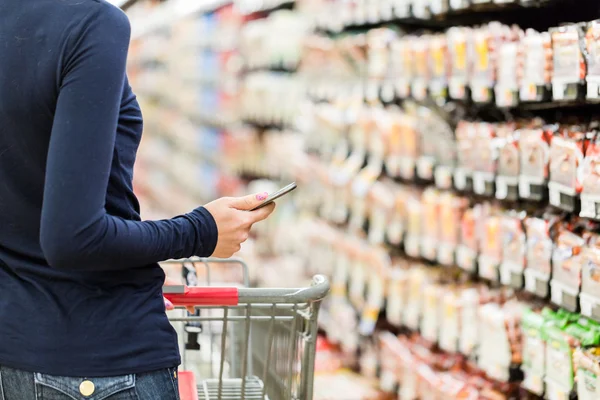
(103, 16)
(95, 20)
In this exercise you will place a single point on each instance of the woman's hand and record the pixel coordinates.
(234, 221)
(168, 305)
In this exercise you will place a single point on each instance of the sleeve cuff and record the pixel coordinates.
(208, 233)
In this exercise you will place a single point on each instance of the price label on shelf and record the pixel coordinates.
(412, 246)
(479, 184)
(554, 193)
(402, 89)
(407, 168)
(501, 189)
(524, 188)
(589, 207)
(465, 258)
(443, 177)
(593, 90)
(428, 248)
(445, 255)
(387, 92)
(488, 268)
(387, 381)
(587, 306)
(556, 295)
(425, 167)
(528, 92)
(460, 179)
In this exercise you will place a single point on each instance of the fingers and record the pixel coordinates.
(247, 203)
(168, 305)
(262, 213)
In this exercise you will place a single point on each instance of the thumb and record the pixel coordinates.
(247, 203)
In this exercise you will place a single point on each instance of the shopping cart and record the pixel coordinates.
(256, 344)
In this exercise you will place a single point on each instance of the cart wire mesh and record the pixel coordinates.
(262, 348)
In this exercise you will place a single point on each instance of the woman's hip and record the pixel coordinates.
(21, 385)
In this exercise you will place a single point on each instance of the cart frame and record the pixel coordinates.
(277, 340)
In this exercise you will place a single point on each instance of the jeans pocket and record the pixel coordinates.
(50, 387)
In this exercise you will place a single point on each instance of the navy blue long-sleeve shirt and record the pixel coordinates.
(80, 287)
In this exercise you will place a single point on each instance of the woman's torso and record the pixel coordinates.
(55, 321)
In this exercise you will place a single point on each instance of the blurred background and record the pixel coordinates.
(446, 157)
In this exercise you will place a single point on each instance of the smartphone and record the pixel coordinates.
(276, 195)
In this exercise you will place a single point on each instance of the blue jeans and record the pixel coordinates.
(21, 385)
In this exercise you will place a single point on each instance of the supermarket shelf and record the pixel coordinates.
(167, 13)
(248, 7)
(555, 12)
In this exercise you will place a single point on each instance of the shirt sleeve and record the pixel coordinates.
(76, 231)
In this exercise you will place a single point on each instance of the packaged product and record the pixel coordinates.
(445, 153)
(468, 248)
(417, 279)
(430, 227)
(507, 178)
(466, 132)
(590, 280)
(500, 339)
(432, 311)
(490, 245)
(376, 290)
(428, 130)
(534, 149)
(539, 254)
(396, 225)
(397, 292)
(567, 151)
(420, 9)
(409, 145)
(587, 365)
(359, 272)
(486, 42)
(537, 66)
(470, 300)
(509, 68)
(381, 199)
(569, 67)
(392, 352)
(451, 209)
(592, 37)
(459, 4)
(414, 225)
(560, 348)
(438, 67)
(438, 7)
(484, 158)
(566, 268)
(401, 64)
(421, 70)
(450, 326)
(534, 351)
(590, 180)
(379, 54)
(459, 49)
(514, 249)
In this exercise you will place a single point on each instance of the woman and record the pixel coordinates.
(81, 308)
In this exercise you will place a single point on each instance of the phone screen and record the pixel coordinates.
(274, 196)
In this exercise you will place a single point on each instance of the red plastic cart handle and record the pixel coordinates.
(201, 296)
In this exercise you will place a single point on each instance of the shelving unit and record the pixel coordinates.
(446, 268)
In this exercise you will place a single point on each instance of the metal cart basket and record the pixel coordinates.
(255, 343)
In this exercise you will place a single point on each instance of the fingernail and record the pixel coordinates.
(168, 305)
(262, 196)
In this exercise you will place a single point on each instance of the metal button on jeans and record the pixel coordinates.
(87, 388)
